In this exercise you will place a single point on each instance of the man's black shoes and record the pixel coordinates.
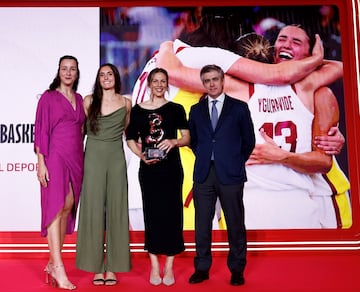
(198, 277)
(237, 279)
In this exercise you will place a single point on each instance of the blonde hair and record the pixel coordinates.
(256, 47)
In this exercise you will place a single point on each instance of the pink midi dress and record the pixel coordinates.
(58, 134)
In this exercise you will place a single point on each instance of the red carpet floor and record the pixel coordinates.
(330, 271)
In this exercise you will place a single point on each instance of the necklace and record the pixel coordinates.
(69, 96)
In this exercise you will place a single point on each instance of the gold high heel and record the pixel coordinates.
(56, 284)
(46, 277)
(47, 273)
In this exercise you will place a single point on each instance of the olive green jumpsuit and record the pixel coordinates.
(103, 214)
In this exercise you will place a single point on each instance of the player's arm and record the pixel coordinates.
(329, 72)
(188, 78)
(179, 75)
(270, 153)
(326, 115)
(326, 118)
(333, 141)
(278, 74)
(242, 68)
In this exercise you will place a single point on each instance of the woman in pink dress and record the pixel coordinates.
(59, 147)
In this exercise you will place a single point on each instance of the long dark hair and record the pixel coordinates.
(95, 106)
(218, 28)
(56, 82)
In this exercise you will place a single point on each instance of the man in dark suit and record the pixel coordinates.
(222, 139)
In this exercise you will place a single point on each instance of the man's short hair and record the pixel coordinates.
(209, 68)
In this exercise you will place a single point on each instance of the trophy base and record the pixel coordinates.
(154, 153)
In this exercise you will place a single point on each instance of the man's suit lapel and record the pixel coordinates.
(225, 111)
(205, 112)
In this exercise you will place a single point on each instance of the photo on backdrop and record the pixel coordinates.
(277, 195)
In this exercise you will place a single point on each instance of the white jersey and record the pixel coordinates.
(276, 196)
(193, 57)
(282, 115)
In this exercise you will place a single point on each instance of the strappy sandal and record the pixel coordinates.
(110, 282)
(99, 282)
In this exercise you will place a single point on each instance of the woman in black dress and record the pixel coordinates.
(155, 123)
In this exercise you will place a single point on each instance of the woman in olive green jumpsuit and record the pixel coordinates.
(103, 216)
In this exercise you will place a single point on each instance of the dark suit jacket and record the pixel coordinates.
(232, 141)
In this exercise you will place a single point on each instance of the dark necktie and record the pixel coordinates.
(214, 114)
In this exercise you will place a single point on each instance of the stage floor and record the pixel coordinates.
(305, 271)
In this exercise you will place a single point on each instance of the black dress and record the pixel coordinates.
(161, 183)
